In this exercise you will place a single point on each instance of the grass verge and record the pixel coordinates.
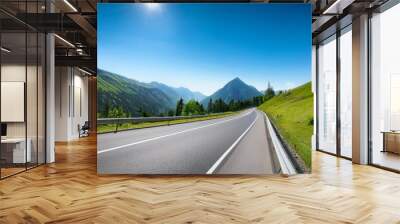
(292, 113)
(128, 126)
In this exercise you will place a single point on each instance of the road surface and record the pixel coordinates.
(231, 145)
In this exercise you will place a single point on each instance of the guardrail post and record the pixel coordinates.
(116, 126)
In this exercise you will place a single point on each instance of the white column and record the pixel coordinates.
(360, 90)
(50, 99)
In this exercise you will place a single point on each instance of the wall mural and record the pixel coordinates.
(204, 88)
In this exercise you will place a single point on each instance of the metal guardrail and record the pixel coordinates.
(136, 120)
(287, 167)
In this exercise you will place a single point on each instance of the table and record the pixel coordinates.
(13, 150)
(391, 141)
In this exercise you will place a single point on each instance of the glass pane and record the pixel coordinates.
(385, 91)
(327, 96)
(32, 99)
(13, 86)
(346, 93)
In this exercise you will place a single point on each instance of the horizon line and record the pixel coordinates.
(173, 86)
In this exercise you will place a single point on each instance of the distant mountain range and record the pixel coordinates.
(176, 93)
(155, 98)
(134, 96)
(235, 90)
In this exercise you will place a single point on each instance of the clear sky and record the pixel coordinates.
(203, 46)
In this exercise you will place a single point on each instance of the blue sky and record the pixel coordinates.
(203, 46)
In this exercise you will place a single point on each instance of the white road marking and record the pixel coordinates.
(172, 134)
(226, 153)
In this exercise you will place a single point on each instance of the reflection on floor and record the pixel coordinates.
(70, 191)
(387, 159)
(11, 169)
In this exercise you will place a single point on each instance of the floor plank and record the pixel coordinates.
(70, 191)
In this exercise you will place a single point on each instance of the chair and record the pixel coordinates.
(84, 130)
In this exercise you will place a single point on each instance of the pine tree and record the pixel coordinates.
(179, 107)
(202, 111)
(107, 109)
(171, 113)
(210, 106)
(269, 92)
(231, 105)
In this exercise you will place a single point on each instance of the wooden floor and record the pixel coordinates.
(70, 191)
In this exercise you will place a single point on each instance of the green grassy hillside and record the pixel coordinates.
(114, 90)
(292, 113)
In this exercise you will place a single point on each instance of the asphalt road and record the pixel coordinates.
(231, 145)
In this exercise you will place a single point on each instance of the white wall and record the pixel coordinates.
(16, 73)
(33, 126)
(71, 102)
(62, 82)
(80, 112)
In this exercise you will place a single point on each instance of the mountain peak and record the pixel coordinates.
(235, 90)
(236, 79)
(236, 82)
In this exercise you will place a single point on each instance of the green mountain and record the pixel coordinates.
(167, 90)
(154, 98)
(187, 94)
(114, 90)
(176, 93)
(292, 113)
(235, 90)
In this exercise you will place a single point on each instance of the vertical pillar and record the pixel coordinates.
(338, 96)
(50, 99)
(50, 92)
(360, 89)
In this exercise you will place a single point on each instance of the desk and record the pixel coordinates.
(391, 141)
(13, 150)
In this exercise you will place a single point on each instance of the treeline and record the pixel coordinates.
(193, 107)
(113, 112)
(219, 106)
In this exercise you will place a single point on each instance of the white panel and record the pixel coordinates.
(12, 101)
